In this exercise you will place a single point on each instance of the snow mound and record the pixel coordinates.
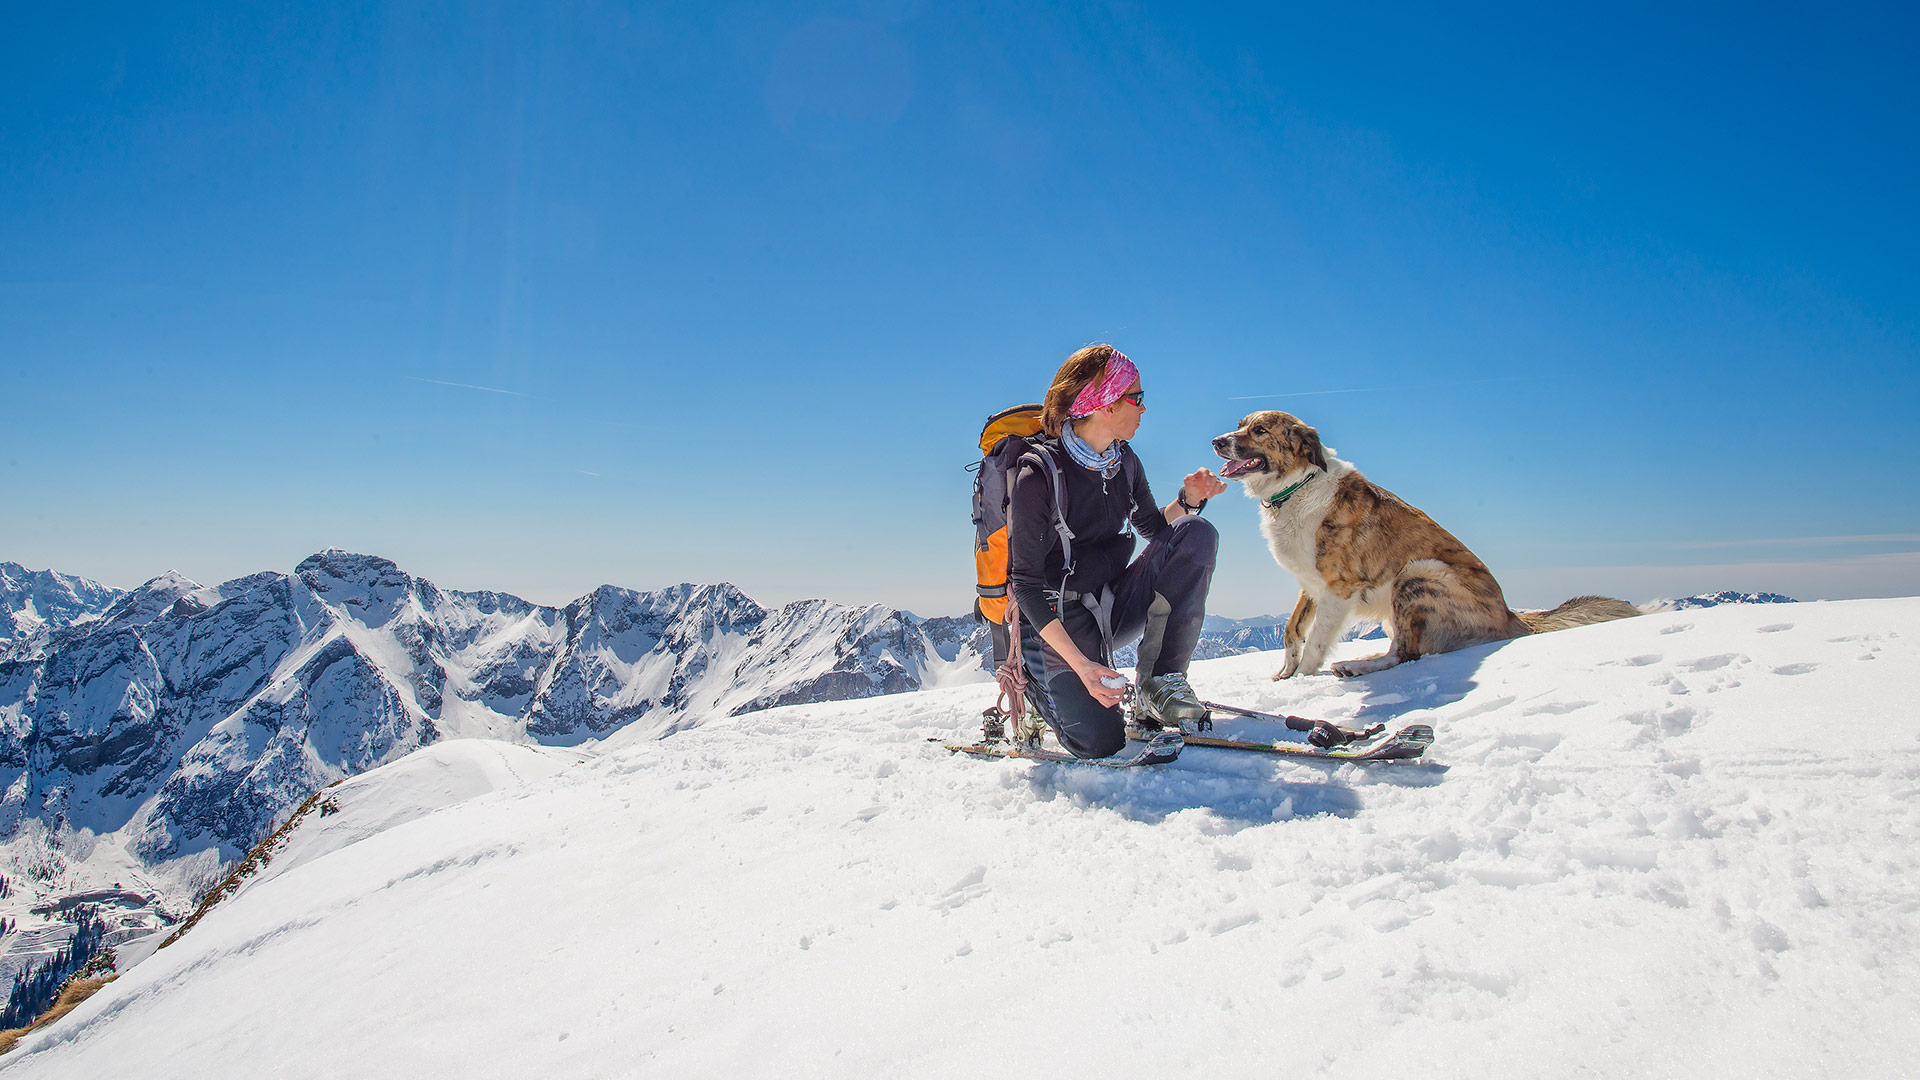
(424, 782)
(1679, 844)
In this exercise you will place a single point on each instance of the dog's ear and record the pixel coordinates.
(1306, 444)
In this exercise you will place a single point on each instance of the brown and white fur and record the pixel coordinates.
(1360, 552)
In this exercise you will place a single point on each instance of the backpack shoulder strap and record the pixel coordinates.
(1136, 480)
(1038, 453)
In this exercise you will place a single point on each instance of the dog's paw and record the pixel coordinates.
(1286, 671)
(1366, 665)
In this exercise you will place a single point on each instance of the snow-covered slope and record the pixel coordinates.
(1677, 845)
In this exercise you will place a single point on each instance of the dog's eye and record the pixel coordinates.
(1259, 431)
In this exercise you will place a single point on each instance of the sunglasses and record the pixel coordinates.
(1138, 397)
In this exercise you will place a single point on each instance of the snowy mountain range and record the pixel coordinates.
(153, 736)
(1725, 596)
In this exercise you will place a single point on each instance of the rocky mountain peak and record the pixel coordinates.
(373, 589)
(156, 597)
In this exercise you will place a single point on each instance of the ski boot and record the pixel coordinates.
(1168, 701)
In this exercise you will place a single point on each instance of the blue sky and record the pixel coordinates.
(538, 296)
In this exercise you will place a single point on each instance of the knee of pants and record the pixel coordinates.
(1085, 728)
(1197, 536)
(1102, 742)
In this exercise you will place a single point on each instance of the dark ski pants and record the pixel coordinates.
(1161, 596)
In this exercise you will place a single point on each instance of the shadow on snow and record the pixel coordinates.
(1418, 686)
(1235, 786)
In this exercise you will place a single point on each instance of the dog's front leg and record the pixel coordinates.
(1295, 634)
(1329, 618)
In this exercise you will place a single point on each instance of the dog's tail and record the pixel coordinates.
(1579, 611)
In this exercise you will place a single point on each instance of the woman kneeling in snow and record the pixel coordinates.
(1080, 609)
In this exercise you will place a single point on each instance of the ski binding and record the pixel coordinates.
(1149, 748)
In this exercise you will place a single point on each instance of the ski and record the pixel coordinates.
(1149, 748)
(1328, 742)
(1409, 742)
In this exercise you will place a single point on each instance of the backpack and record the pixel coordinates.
(1003, 441)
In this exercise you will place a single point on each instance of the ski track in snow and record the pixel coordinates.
(1681, 844)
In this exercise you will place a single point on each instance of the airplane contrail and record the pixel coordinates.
(1404, 386)
(465, 386)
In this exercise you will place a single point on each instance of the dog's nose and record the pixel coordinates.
(1220, 441)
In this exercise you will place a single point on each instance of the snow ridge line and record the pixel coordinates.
(256, 861)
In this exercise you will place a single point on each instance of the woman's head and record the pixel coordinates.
(1092, 380)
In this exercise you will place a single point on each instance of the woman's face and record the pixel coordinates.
(1125, 414)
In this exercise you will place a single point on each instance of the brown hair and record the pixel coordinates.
(1081, 370)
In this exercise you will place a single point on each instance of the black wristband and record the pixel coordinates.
(1188, 507)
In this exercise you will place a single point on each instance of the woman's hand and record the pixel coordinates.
(1055, 634)
(1091, 674)
(1195, 490)
(1201, 486)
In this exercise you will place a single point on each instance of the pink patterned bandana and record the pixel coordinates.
(1107, 389)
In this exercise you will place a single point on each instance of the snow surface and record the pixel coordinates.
(1678, 845)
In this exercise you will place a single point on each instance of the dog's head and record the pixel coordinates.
(1269, 445)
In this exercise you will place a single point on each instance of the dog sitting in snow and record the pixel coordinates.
(1360, 552)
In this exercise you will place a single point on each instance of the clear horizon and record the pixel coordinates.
(1624, 574)
(534, 302)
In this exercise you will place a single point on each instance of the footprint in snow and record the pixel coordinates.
(1796, 669)
(1542, 741)
(1559, 708)
(968, 888)
(1677, 720)
(1484, 707)
(1774, 628)
(1233, 922)
(1680, 628)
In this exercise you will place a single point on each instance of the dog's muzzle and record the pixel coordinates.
(1228, 446)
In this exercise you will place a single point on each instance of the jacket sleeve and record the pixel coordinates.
(1149, 517)
(1030, 539)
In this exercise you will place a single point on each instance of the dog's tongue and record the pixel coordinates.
(1235, 468)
